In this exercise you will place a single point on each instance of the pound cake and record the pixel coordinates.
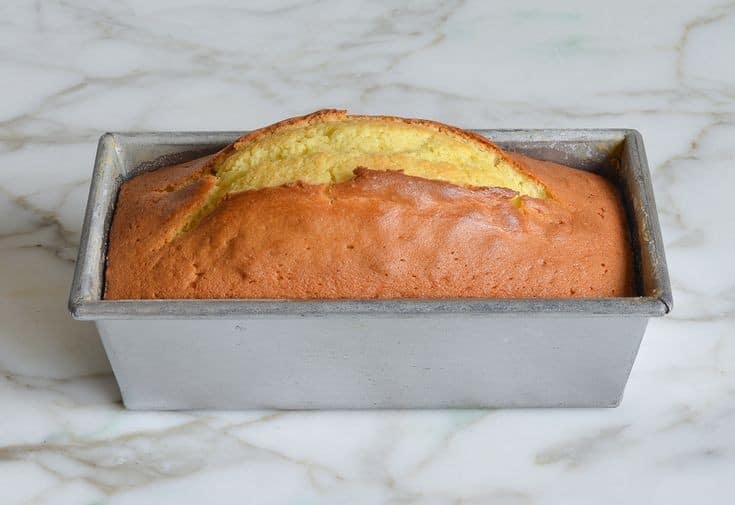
(332, 205)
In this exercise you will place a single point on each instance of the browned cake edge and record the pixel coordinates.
(224, 258)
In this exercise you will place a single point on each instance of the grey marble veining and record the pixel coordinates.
(72, 70)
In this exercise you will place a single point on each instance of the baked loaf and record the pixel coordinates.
(331, 205)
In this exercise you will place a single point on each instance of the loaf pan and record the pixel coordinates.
(343, 354)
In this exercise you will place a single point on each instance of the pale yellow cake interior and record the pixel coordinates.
(328, 152)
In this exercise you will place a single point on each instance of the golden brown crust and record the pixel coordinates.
(380, 235)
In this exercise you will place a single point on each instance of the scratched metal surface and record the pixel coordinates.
(297, 354)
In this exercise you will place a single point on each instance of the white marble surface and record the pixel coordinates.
(72, 70)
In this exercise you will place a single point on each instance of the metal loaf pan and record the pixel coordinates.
(289, 354)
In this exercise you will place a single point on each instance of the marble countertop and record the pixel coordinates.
(72, 71)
